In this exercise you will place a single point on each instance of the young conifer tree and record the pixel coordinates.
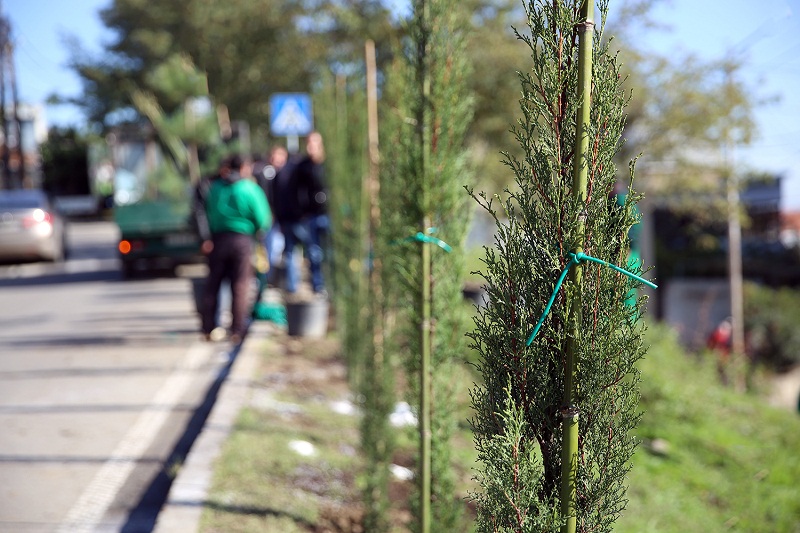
(520, 406)
(342, 119)
(340, 105)
(426, 216)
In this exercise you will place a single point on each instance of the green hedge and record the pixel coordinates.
(771, 319)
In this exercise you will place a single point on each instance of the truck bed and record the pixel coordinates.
(155, 233)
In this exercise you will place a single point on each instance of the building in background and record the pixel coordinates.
(692, 259)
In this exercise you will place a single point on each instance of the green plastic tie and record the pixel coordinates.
(581, 256)
(422, 237)
(575, 259)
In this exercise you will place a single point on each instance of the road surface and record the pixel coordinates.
(103, 383)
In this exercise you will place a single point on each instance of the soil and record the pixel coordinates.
(314, 368)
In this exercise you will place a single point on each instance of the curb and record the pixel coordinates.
(187, 496)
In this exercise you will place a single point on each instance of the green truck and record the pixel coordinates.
(151, 206)
(155, 234)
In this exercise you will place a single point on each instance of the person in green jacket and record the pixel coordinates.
(237, 211)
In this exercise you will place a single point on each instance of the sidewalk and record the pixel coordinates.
(184, 506)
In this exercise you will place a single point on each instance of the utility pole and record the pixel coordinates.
(4, 39)
(7, 69)
(734, 246)
(735, 275)
(424, 132)
(12, 74)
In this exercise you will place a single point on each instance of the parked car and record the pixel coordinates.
(30, 228)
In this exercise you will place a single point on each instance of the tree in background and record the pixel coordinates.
(65, 162)
(527, 390)
(192, 122)
(248, 48)
(683, 116)
(426, 216)
(253, 48)
(496, 57)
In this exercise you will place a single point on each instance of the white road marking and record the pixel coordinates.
(91, 506)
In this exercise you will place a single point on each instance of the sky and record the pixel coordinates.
(764, 34)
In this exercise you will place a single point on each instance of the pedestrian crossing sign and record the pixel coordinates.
(290, 114)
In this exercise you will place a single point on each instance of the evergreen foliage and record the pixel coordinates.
(422, 188)
(518, 407)
(341, 118)
(181, 86)
(248, 48)
(771, 320)
(340, 104)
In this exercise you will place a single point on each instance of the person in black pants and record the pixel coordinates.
(237, 211)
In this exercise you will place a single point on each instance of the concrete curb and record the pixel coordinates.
(187, 496)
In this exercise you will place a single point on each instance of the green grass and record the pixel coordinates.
(732, 463)
(474, 263)
(712, 460)
(260, 484)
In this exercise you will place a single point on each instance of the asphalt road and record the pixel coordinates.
(103, 385)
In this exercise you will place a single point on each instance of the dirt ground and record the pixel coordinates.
(312, 372)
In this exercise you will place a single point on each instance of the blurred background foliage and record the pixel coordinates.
(771, 318)
(250, 49)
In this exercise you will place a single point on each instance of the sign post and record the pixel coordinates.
(291, 117)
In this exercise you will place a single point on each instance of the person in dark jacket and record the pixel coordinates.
(272, 175)
(237, 211)
(301, 204)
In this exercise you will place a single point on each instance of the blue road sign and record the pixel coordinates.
(290, 114)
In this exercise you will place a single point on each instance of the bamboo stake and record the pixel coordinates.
(580, 171)
(425, 388)
(374, 187)
(424, 128)
(377, 372)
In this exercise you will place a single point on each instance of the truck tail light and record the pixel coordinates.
(125, 246)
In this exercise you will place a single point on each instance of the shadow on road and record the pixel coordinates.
(61, 278)
(47, 274)
(142, 518)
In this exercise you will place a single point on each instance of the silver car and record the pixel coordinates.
(30, 228)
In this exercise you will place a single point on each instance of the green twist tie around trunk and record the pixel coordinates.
(422, 237)
(574, 259)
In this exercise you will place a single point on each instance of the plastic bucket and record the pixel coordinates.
(307, 318)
